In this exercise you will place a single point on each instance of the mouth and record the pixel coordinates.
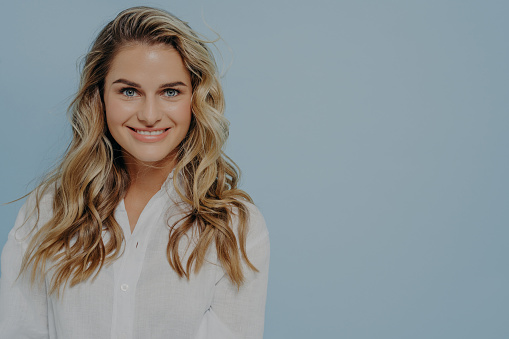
(149, 132)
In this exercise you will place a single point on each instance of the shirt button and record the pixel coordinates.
(124, 287)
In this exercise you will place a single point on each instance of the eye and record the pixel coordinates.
(170, 92)
(129, 92)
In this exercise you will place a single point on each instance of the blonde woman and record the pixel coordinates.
(141, 231)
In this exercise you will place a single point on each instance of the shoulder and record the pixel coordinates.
(37, 209)
(257, 230)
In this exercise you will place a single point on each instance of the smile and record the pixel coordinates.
(149, 136)
(161, 131)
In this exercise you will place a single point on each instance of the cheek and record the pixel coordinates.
(183, 114)
(116, 113)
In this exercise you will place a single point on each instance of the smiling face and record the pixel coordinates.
(147, 98)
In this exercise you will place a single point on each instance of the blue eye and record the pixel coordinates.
(170, 92)
(129, 92)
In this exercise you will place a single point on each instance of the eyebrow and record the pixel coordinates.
(135, 85)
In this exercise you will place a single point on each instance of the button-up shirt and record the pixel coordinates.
(139, 295)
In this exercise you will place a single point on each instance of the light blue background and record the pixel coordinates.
(373, 135)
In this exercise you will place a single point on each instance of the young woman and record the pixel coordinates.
(141, 231)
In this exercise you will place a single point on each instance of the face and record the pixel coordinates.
(147, 97)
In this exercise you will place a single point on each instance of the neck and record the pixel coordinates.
(148, 177)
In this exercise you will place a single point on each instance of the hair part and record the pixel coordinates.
(92, 178)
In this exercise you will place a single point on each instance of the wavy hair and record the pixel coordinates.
(91, 179)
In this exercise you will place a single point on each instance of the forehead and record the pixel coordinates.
(144, 63)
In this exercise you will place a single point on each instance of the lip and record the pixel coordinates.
(149, 138)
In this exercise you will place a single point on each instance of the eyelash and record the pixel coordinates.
(124, 90)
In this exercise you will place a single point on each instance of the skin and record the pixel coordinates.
(147, 88)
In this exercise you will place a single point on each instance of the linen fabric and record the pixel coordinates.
(139, 295)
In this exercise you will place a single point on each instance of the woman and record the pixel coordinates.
(141, 231)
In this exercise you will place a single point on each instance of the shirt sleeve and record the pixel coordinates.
(23, 307)
(243, 310)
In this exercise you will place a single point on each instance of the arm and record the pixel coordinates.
(243, 310)
(23, 308)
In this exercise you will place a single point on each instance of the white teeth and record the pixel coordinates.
(150, 132)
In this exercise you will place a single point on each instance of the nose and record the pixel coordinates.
(149, 113)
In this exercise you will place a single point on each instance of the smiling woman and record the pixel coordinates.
(141, 231)
(147, 97)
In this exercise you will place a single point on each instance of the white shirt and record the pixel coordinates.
(139, 296)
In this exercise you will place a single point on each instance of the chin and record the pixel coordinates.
(148, 158)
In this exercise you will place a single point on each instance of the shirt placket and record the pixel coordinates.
(129, 268)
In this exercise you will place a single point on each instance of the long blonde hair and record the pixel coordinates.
(91, 179)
